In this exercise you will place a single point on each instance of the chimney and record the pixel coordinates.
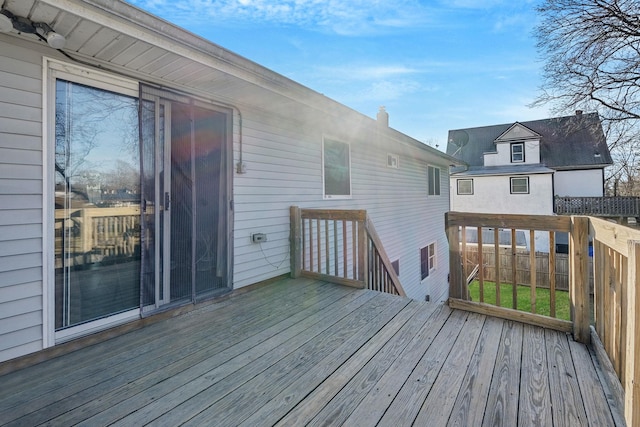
(578, 112)
(383, 117)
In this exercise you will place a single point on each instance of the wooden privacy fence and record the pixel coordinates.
(340, 246)
(616, 288)
(523, 267)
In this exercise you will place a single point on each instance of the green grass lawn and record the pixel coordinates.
(524, 298)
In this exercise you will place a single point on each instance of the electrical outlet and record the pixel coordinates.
(258, 237)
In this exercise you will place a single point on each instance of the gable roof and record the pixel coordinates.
(517, 132)
(565, 142)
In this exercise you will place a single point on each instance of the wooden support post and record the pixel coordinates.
(457, 282)
(631, 380)
(296, 241)
(579, 281)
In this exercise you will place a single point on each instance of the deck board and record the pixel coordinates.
(122, 401)
(439, 403)
(471, 402)
(567, 404)
(407, 404)
(374, 405)
(345, 390)
(304, 352)
(504, 392)
(535, 401)
(595, 401)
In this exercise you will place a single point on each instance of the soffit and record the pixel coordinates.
(124, 39)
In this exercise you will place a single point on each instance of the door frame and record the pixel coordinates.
(52, 70)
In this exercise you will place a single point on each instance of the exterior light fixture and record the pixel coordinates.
(54, 39)
(6, 21)
(9, 21)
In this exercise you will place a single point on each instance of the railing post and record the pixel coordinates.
(363, 254)
(457, 282)
(579, 282)
(632, 364)
(296, 242)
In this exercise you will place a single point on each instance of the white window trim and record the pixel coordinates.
(434, 256)
(51, 70)
(430, 255)
(326, 196)
(439, 181)
(521, 144)
(519, 192)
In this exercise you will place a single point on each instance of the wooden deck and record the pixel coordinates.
(299, 352)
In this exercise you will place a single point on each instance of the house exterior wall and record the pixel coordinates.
(502, 155)
(283, 168)
(579, 183)
(21, 276)
(491, 194)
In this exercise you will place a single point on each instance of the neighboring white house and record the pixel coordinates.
(137, 161)
(519, 168)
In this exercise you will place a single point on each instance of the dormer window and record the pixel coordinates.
(517, 152)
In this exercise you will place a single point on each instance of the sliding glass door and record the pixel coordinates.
(141, 215)
(186, 214)
(97, 204)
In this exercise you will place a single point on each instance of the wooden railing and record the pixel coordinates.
(340, 246)
(598, 206)
(457, 224)
(114, 232)
(616, 293)
(616, 251)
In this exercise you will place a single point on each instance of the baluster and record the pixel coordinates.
(532, 268)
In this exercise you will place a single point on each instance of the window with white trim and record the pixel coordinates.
(517, 152)
(427, 260)
(465, 186)
(433, 178)
(336, 168)
(520, 185)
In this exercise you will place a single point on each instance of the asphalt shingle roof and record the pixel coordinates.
(566, 142)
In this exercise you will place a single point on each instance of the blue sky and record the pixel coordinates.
(435, 65)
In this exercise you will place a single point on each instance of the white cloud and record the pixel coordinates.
(353, 17)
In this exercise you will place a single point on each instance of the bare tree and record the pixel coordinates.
(591, 50)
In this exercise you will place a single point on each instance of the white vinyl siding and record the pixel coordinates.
(283, 169)
(21, 302)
